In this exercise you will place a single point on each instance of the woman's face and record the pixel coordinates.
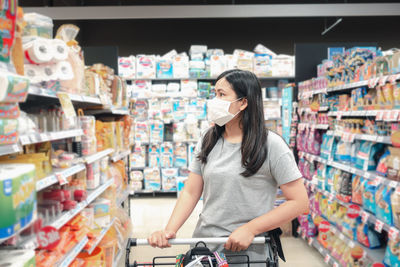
(224, 91)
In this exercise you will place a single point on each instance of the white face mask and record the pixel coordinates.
(218, 111)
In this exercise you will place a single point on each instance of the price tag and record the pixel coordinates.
(367, 175)
(341, 236)
(378, 180)
(380, 139)
(33, 139)
(394, 115)
(379, 115)
(24, 139)
(339, 115)
(331, 197)
(327, 258)
(393, 233)
(382, 80)
(310, 241)
(335, 264)
(48, 238)
(397, 190)
(44, 137)
(364, 216)
(379, 226)
(351, 244)
(320, 249)
(303, 235)
(61, 178)
(386, 115)
(66, 105)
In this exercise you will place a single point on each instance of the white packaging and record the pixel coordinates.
(231, 62)
(33, 72)
(194, 64)
(198, 49)
(169, 176)
(159, 89)
(245, 59)
(181, 66)
(189, 88)
(214, 52)
(64, 71)
(173, 88)
(217, 65)
(283, 66)
(127, 67)
(146, 67)
(60, 49)
(170, 55)
(261, 49)
(38, 51)
(141, 89)
(197, 56)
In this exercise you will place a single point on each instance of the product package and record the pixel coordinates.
(138, 157)
(180, 155)
(142, 132)
(169, 179)
(165, 68)
(167, 157)
(262, 65)
(395, 201)
(145, 67)
(392, 257)
(140, 110)
(357, 189)
(152, 179)
(188, 88)
(179, 109)
(368, 155)
(181, 66)
(154, 155)
(141, 89)
(383, 204)
(367, 236)
(217, 65)
(156, 131)
(127, 67)
(370, 189)
(393, 171)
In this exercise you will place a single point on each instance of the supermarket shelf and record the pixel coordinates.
(353, 85)
(43, 92)
(348, 168)
(100, 237)
(72, 213)
(365, 137)
(50, 136)
(120, 253)
(369, 216)
(99, 155)
(73, 253)
(312, 241)
(385, 115)
(113, 111)
(120, 155)
(308, 110)
(315, 126)
(9, 149)
(205, 79)
(52, 179)
(123, 197)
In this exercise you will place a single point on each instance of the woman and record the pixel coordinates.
(238, 167)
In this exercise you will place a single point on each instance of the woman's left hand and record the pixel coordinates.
(240, 239)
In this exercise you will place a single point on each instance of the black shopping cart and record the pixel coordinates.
(200, 250)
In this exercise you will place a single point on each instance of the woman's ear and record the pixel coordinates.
(243, 106)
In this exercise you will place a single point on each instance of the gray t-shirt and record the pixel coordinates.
(231, 200)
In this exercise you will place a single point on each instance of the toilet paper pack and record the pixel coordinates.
(17, 258)
(38, 51)
(146, 66)
(13, 88)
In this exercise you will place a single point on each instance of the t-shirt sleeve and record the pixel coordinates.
(282, 162)
(195, 165)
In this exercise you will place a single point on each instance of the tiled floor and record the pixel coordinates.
(150, 214)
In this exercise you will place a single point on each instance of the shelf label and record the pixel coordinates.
(393, 233)
(61, 178)
(66, 105)
(24, 139)
(299, 230)
(364, 216)
(351, 244)
(379, 115)
(393, 184)
(48, 238)
(327, 258)
(335, 264)
(394, 115)
(33, 139)
(310, 241)
(382, 80)
(387, 115)
(378, 226)
(303, 235)
(320, 249)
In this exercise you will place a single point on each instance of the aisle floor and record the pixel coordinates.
(150, 214)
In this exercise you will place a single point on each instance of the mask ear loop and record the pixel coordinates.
(236, 101)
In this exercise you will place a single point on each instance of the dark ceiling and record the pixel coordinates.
(33, 3)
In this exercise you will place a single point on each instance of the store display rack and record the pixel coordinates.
(47, 93)
(323, 251)
(10, 149)
(371, 83)
(61, 173)
(74, 252)
(31, 243)
(120, 254)
(348, 168)
(366, 137)
(95, 157)
(120, 155)
(303, 125)
(366, 216)
(204, 79)
(100, 237)
(123, 197)
(49, 136)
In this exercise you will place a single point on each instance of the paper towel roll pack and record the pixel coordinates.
(13, 88)
(17, 258)
(17, 197)
(9, 111)
(8, 131)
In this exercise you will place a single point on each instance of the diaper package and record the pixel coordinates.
(142, 132)
(165, 68)
(154, 156)
(138, 157)
(152, 179)
(159, 89)
(166, 110)
(262, 65)
(167, 156)
(154, 109)
(127, 67)
(189, 88)
(180, 155)
(145, 66)
(169, 179)
(217, 65)
(140, 110)
(156, 132)
(179, 109)
(141, 89)
(181, 66)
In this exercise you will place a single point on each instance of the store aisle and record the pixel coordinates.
(149, 214)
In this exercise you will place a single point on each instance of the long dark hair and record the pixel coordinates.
(254, 142)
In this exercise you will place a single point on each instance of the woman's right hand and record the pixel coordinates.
(160, 239)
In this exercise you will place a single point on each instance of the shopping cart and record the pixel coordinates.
(200, 249)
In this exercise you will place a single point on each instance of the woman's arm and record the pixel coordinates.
(296, 204)
(183, 208)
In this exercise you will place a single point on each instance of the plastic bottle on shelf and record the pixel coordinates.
(42, 120)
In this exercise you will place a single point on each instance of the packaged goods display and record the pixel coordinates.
(351, 164)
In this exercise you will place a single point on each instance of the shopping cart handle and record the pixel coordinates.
(133, 242)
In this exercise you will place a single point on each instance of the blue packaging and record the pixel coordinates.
(165, 69)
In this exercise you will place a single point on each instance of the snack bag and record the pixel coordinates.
(370, 188)
(383, 204)
(345, 191)
(393, 172)
(382, 167)
(368, 155)
(392, 254)
(357, 189)
(395, 201)
(367, 236)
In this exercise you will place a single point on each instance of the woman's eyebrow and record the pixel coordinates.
(219, 89)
